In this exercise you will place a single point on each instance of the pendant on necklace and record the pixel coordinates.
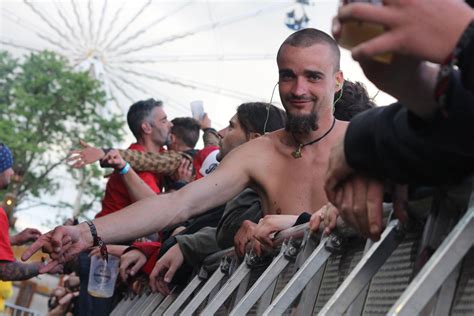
(297, 153)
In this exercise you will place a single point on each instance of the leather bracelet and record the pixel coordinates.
(98, 241)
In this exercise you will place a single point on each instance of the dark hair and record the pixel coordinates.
(187, 130)
(354, 99)
(139, 112)
(252, 117)
(309, 37)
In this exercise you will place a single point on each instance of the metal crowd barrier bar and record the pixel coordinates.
(15, 310)
(439, 267)
(365, 270)
(337, 275)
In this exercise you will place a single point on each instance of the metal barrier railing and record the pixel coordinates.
(15, 310)
(330, 275)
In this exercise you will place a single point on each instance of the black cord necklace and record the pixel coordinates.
(297, 153)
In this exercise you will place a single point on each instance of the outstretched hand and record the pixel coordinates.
(27, 235)
(62, 244)
(87, 155)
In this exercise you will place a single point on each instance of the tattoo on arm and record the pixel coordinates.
(16, 271)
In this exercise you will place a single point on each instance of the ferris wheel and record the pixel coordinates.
(138, 48)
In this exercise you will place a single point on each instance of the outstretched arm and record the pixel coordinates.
(16, 271)
(153, 213)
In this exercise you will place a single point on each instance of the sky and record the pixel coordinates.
(220, 52)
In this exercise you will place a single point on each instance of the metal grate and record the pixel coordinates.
(394, 276)
(464, 297)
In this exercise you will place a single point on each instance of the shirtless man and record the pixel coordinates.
(286, 168)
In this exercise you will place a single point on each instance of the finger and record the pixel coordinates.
(83, 144)
(123, 269)
(384, 43)
(48, 267)
(367, 13)
(360, 203)
(332, 216)
(137, 266)
(257, 248)
(170, 273)
(315, 221)
(336, 28)
(37, 245)
(374, 208)
(400, 202)
(346, 215)
(163, 287)
(79, 164)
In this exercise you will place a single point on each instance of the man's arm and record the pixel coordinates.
(153, 213)
(136, 186)
(195, 198)
(166, 162)
(17, 271)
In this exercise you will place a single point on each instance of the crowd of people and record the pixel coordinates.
(331, 153)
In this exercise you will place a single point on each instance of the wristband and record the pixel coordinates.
(447, 68)
(98, 241)
(125, 169)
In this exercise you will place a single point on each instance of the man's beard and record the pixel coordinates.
(302, 123)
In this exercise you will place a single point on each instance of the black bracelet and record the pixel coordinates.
(98, 241)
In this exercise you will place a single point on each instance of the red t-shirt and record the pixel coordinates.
(205, 161)
(6, 252)
(116, 193)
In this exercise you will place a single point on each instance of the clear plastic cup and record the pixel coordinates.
(102, 276)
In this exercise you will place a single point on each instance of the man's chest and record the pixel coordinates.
(292, 185)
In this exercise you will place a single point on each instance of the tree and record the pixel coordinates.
(45, 108)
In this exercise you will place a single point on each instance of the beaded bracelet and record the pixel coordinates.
(98, 241)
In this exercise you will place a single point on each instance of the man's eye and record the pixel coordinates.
(314, 77)
(286, 76)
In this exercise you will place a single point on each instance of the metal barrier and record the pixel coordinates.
(15, 310)
(337, 274)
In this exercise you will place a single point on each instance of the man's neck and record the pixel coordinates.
(324, 124)
(149, 145)
(182, 148)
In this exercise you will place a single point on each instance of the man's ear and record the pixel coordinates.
(254, 135)
(146, 127)
(339, 80)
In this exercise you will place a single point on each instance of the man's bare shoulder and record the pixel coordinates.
(258, 147)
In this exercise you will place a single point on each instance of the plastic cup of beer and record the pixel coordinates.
(354, 33)
(102, 276)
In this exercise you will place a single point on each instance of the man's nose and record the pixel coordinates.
(300, 87)
(222, 132)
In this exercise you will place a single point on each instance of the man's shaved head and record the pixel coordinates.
(309, 37)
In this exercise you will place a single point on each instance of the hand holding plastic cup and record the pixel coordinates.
(102, 276)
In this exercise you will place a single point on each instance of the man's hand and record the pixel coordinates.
(131, 262)
(428, 30)
(62, 243)
(114, 160)
(184, 172)
(164, 270)
(27, 235)
(205, 122)
(85, 156)
(338, 170)
(359, 201)
(327, 215)
(243, 236)
(268, 226)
